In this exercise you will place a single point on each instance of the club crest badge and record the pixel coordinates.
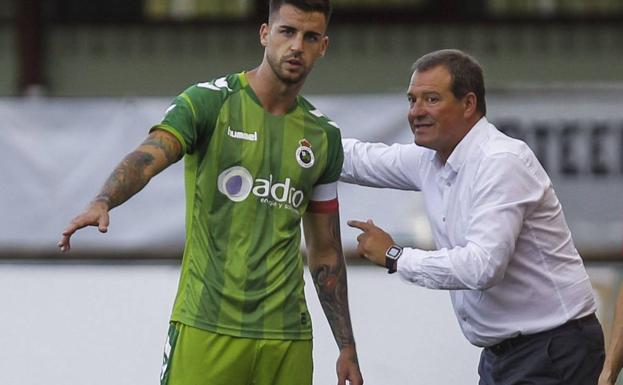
(304, 154)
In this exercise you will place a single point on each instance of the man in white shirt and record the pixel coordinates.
(517, 283)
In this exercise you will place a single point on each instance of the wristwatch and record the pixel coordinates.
(391, 258)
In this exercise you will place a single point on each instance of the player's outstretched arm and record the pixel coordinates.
(157, 152)
(328, 270)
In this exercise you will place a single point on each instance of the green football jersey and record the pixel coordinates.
(249, 176)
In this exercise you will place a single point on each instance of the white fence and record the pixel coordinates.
(56, 154)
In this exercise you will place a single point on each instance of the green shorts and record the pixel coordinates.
(195, 356)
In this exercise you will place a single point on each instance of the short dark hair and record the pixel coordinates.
(323, 6)
(465, 71)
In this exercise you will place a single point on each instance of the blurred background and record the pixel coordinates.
(82, 81)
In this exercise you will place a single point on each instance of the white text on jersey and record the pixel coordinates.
(242, 135)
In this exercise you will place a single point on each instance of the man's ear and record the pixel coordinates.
(470, 103)
(264, 30)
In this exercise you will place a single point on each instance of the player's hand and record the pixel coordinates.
(373, 242)
(96, 214)
(348, 367)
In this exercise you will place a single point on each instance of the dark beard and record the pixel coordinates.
(286, 80)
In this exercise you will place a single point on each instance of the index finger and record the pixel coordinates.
(72, 228)
(63, 243)
(363, 226)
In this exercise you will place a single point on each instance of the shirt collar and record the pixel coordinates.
(465, 146)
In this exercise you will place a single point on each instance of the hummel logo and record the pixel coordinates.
(242, 135)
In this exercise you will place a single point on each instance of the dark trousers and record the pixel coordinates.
(571, 354)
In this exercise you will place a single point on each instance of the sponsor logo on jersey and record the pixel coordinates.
(237, 184)
(304, 154)
(242, 135)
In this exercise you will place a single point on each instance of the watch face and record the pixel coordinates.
(394, 252)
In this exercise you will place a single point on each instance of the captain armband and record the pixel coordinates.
(324, 199)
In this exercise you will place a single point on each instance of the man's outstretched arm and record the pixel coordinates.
(156, 153)
(328, 270)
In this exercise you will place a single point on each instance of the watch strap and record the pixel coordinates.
(392, 254)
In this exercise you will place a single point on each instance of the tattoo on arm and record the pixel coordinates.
(169, 147)
(330, 282)
(156, 153)
(127, 179)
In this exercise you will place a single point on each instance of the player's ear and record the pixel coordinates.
(264, 30)
(325, 45)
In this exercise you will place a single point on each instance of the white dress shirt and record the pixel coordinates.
(504, 248)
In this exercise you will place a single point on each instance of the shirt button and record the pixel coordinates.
(448, 184)
(443, 219)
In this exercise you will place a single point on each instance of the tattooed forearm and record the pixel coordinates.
(128, 178)
(158, 151)
(330, 282)
(331, 285)
(335, 238)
